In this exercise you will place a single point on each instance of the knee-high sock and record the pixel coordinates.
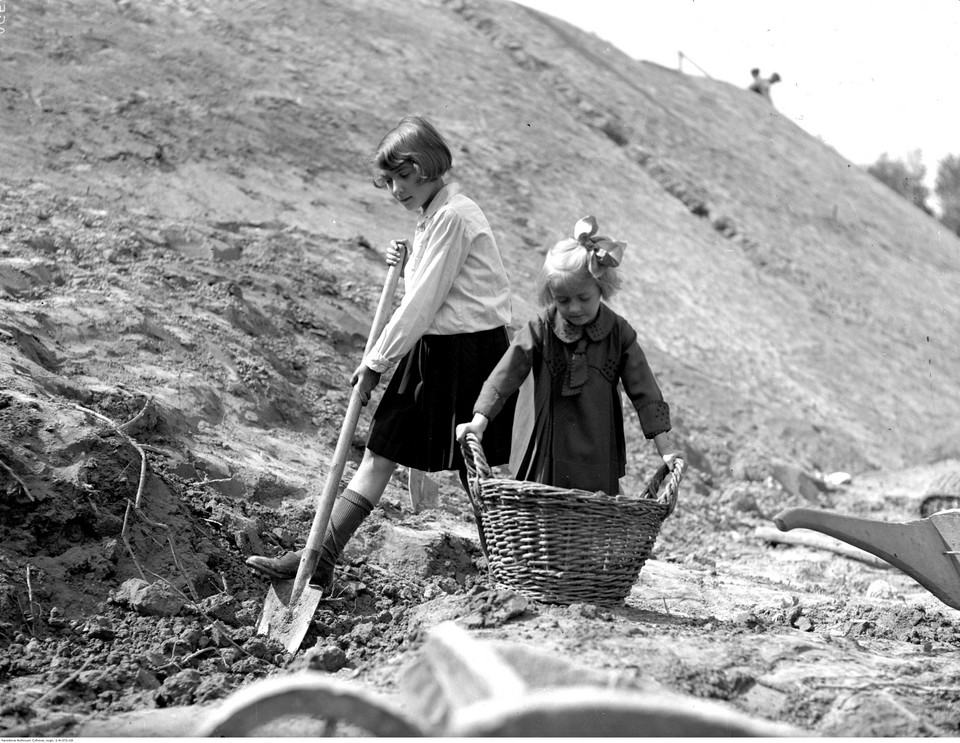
(349, 511)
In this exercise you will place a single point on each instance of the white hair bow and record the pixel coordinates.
(604, 251)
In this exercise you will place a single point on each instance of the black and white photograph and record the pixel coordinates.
(479, 368)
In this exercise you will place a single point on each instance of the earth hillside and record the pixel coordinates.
(190, 255)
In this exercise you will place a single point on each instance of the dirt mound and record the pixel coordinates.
(190, 253)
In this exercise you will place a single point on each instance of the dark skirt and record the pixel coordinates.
(433, 389)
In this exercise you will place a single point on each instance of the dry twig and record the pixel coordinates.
(173, 550)
(69, 679)
(31, 604)
(214, 622)
(21, 483)
(140, 486)
(874, 685)
(135, 506)
(186, 659)
(135, 418)
(124, 534)
(119, 429)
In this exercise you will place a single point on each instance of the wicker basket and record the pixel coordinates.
(942, 494)
(563, 546)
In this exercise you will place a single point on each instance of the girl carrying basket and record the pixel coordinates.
(447, 334)
(578, 351)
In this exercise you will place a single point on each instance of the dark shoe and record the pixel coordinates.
(277, 568)
(286, 566)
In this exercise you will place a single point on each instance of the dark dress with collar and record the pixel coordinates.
(577, 438)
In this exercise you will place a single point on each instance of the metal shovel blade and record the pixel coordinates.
(287, 621)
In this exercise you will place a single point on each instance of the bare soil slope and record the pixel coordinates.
(190, 253)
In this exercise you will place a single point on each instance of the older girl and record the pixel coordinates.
(447, 334)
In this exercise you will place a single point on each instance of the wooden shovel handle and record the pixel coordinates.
(311, 553)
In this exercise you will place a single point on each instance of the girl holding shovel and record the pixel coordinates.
(447, 334)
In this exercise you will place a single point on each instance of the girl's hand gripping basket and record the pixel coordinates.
(563, 546)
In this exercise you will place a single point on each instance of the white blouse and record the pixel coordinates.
(454, 279)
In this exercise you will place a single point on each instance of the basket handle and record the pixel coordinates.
(477, 470)
(669, 497)
(474, 458)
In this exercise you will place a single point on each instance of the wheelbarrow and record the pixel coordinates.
(460, 686)
(927, 550)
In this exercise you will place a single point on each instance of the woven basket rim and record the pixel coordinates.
(508, 487)
(518, 524)
(479, 472)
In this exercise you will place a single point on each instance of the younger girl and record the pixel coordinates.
(447, 334)
(578, 350)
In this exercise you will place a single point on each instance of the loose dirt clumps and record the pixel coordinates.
(190, 256)
(129, 508)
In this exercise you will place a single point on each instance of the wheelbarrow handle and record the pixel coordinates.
(922, 549)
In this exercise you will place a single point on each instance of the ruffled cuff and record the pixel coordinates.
(654, 418)
(378, 363)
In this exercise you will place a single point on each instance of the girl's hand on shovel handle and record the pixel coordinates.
(397, 252)
(365, 380)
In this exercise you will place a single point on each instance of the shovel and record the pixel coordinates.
(290, 605)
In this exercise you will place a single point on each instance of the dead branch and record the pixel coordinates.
(137, 417)
(173, 550)
(69, 679)
(20, 482)
(124, 533)
(31, 604)
(140, 486)
(119, 429)
(176, 561)
(26, 615)
(135, 505)
(186, 659)
(874, 685)
(214, 622)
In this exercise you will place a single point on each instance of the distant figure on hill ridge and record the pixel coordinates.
(761, 85)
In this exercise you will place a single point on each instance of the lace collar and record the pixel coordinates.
(598, 329)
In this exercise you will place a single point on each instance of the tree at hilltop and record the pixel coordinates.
(947, 188)
(906, 178)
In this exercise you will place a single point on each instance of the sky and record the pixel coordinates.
(867, 77)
